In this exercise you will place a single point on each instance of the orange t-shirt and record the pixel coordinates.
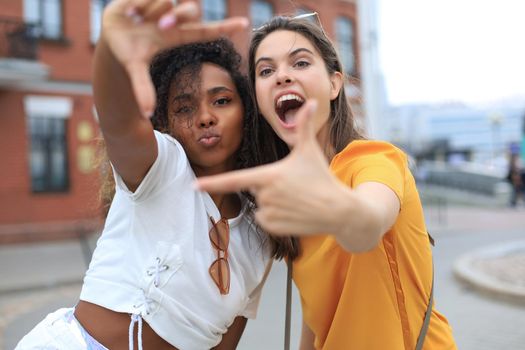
(374, 300)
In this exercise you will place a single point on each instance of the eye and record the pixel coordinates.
(265, 72)
(222, 101)
(184, 110)
(301, 64)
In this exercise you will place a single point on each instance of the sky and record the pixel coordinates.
(470, 51)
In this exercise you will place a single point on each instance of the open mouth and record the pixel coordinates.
(287, 106)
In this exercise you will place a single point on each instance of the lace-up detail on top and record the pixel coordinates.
(156, 270)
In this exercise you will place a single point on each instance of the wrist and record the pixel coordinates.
(352, 221)
(342, 208)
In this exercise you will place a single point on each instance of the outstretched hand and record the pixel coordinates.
(135, 30)
(295, 195)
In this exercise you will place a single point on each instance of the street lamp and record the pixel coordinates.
(495, 119)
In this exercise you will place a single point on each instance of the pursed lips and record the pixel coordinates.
(209, 139)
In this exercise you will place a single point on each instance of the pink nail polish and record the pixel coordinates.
(166, 21)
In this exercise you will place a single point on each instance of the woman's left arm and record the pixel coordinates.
(361, 216)
(299, 195)
(231, 338)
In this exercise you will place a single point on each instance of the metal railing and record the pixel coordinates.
(17, 39)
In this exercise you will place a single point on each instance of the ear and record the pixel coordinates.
(336, 83)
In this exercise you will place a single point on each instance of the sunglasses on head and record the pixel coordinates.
(311, 16)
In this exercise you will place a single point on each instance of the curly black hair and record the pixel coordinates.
(180, 65)
(170, 66)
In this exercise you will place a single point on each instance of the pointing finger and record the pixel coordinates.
(235, 181)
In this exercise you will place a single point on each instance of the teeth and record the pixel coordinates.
(288, 97)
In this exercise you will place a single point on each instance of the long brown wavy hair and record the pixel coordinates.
(342, 129)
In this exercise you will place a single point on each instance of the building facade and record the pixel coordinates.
(484, 135)
(48, 132)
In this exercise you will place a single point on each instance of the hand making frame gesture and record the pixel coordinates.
(135, 30)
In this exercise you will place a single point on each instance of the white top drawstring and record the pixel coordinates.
(144, 307)
(156, 270)
(135, 318)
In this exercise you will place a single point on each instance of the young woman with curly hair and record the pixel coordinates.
(173, 268)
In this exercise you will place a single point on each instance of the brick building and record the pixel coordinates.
(48, 133)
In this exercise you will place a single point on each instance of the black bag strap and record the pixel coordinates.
(288, 317)
(428, 313)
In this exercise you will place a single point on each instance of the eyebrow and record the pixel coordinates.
(218, 89)
(291, 54)
(181, 97)
(189, 96)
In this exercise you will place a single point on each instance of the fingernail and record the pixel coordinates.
(167, 21)
(131, 11)
(245, 23)
(134, 15)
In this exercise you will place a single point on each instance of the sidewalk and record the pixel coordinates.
(497, 270)
(34, 276)
(31, 266)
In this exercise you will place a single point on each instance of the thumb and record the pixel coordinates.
(142, 86)
(305, 125)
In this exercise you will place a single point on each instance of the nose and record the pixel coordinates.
(206, 117)
(284, 81)
(283, 77)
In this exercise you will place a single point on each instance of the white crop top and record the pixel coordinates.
(153, 256)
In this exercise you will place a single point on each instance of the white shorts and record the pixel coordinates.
(60, 330)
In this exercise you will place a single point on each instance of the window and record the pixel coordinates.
(260, 12)
(48, 158)
(345, 41)
(97, 6)
(46, 16)
(213, 10)
(47, 129)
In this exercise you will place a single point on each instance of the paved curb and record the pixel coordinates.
(469, 268)
(43, 265)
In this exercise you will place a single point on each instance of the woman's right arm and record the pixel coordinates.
(307, 338)
(129, 138)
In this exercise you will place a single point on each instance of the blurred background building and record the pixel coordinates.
(457, 132)
(49, 134)
(48, 129)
